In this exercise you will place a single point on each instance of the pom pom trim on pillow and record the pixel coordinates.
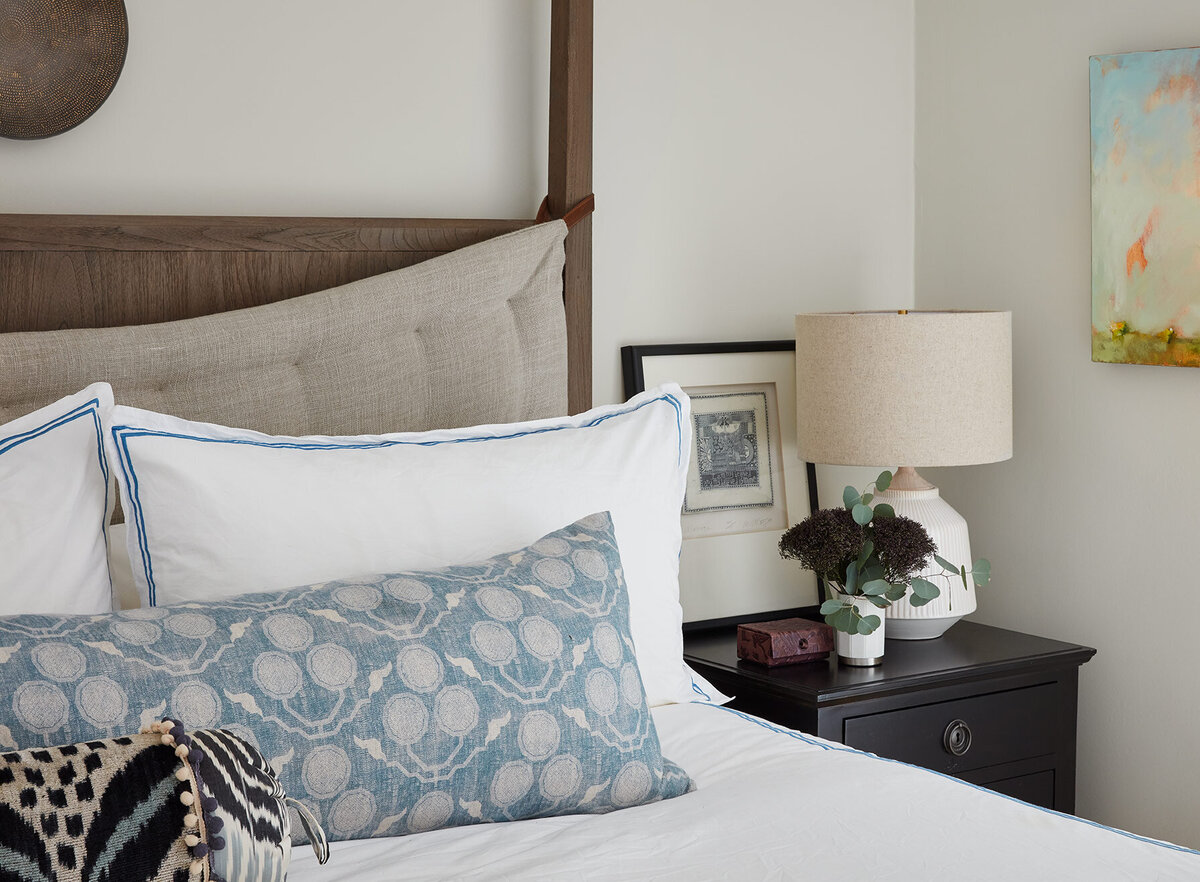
(143, 807)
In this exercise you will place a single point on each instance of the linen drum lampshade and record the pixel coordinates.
(908, 389)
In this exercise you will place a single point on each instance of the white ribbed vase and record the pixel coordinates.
(948, 529)
(861, 650)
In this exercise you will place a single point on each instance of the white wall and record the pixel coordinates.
(393, 108)
(1090, 526)
(752, 161)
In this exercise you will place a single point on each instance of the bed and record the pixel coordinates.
(212, 329)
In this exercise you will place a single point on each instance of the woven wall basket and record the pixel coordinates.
(59, 60)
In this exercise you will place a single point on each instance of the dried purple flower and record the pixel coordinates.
(903, 546)
(825, 542)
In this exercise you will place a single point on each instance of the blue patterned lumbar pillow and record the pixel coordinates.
(390, 704)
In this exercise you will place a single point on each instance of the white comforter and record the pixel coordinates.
(772, 804)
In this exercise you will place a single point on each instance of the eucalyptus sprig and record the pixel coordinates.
(870, 551)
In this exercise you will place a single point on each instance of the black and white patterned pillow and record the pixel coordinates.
(161, 806)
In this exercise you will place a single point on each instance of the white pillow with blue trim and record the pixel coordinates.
(216, 511)
(56, 498)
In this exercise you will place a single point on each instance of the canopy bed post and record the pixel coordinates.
(570, 178)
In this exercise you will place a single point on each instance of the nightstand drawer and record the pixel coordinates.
(964, 734)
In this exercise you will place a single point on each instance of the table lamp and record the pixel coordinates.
(904, 390)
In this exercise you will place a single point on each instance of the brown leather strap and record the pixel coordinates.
(578, 212)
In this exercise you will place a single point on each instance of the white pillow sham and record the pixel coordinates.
(56, 498)
(216, 511)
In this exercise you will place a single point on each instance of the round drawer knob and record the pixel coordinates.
(957, 738)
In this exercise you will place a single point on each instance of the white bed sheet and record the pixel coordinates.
(772, 804)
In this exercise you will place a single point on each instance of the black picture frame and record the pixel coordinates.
(633, 375)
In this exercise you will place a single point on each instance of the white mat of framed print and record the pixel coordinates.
(746, 484)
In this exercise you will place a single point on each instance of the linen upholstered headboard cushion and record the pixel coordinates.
(474, 336)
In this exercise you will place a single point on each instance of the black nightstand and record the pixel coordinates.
(990, 706)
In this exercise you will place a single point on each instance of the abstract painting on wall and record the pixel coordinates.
(1146, 207)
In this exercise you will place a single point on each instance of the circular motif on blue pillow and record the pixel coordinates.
(432, 810)
(632, 784)
(59, 661)
(410, 590)
(493, 642)
(601, 691)
(405, 719)
(499, 603)
(332, 666)
(351, 812)
(631, 685)
(102, 702)
(551, 546)
(361, 598)
(196, 705)
(511, 781)
(277, 674)
(139, 633)
(456, 711)
(288, 632)
(541, 637)
(326, 771)
(420, 668)
(538, 735)
(560, 777)
(144, 613)
(41, 707)
(191, 624)
(554, 572)
(591, 563)
(598, 521)
(607, 643)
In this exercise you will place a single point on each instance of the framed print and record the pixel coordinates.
(735, 478)
(746, 483)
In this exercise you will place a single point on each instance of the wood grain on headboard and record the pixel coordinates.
(77, 271)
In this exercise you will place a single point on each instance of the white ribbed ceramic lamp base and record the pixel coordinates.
(948, 530)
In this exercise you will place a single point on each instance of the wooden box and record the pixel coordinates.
(784, 642)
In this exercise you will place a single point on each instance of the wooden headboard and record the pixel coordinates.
(75, 271)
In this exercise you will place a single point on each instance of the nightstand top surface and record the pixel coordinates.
(967, 651)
